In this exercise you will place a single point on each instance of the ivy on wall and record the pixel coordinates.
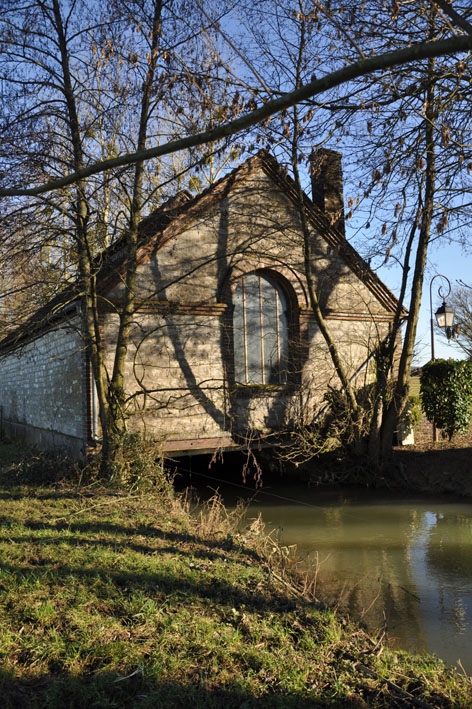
(446, 395)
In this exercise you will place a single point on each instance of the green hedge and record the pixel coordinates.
(446, 394)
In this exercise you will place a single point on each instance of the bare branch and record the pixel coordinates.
(459, 20)
(454, 45)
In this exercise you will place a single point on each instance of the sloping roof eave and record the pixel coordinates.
(334, 238)
(60, 308)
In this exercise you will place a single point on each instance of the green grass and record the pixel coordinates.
(116, 600)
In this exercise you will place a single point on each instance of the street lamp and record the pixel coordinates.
(444, 314)
(445, 320)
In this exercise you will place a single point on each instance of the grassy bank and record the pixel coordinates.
(122, 600)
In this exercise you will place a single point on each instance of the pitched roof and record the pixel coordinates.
(177, 214)
(333, 236)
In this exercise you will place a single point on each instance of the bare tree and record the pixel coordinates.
(72, 88)
(461, 302)
(416, 149)
(254, 116)
(403, 132)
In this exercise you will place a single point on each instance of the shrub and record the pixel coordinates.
(140, 467)
(35, 467)
(446, 394)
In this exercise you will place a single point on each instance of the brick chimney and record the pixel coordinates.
(327, 185)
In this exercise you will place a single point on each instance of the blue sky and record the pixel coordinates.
(448, 260)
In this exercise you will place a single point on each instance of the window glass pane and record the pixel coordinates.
(239, 336)
(282, 324)
(260, 331)
(253, 330)
(269, 330)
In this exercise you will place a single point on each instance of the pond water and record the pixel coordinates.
(403, 564)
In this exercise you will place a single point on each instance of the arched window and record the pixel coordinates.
(260, 331)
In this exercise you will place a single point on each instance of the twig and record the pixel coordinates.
(360, 667)
(138, 671)
(288, 585)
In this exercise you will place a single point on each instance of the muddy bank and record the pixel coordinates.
(442, 469)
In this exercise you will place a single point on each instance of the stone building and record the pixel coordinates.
(225, 346)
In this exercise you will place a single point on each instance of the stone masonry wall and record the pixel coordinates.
(42, 391)
(424, 437)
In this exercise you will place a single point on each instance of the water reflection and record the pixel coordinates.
(403, 564)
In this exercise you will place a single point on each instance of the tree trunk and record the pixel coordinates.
(308, 264)
(401, 390)
(113, 439)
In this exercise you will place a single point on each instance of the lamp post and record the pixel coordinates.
(444, 318)
(444, 314)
